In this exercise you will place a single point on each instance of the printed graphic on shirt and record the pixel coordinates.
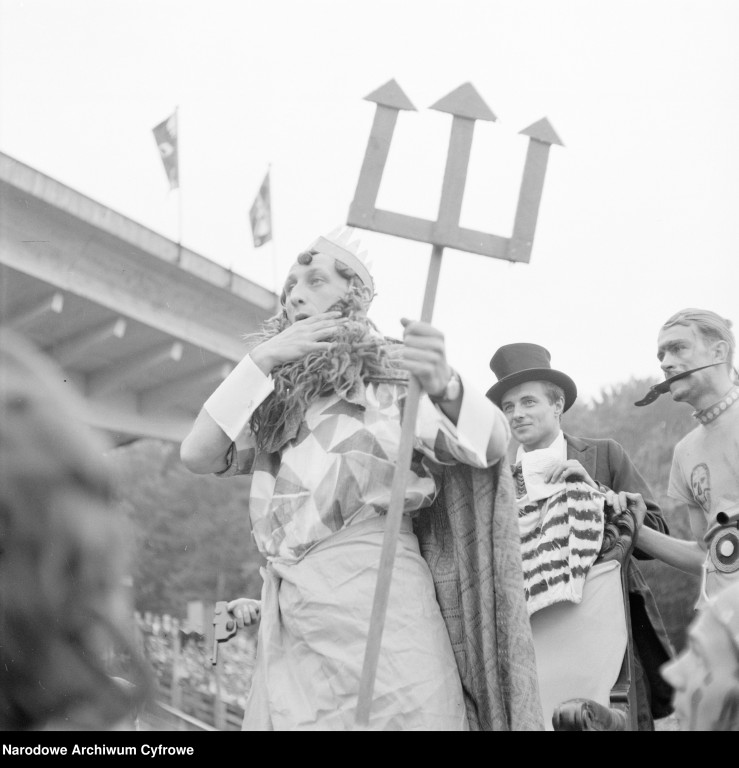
(700, 483)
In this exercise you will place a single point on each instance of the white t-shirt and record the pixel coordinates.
(705, 472)
(705, 466)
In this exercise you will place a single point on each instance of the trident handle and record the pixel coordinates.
(466, 106)
(394, 515)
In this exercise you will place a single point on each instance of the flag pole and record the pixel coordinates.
(275, 276)
(275, 272)
(179, 188)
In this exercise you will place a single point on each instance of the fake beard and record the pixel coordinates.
(357, 353)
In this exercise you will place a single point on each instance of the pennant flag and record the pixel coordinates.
(261, 215)
(165, 135)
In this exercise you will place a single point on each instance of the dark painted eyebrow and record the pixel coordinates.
(316, 271)
(671, 343)
(308, 273)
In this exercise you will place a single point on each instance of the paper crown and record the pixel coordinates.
(340, 246)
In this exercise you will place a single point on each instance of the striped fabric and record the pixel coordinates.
(561, 537)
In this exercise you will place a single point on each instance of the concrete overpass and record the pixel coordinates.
(144, 328)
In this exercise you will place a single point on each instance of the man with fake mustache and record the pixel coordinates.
(695, 348)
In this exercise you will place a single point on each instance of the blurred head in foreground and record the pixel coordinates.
(705, 675)
(63, 608)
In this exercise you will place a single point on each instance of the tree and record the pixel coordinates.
(187, 529)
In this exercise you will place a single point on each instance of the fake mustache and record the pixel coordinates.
(664, 386)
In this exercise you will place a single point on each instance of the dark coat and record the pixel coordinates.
(470, 539)
(608, 464)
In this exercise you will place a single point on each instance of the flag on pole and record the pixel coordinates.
(165, 135)
(261, 215)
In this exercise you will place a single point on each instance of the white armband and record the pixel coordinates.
(238, 396)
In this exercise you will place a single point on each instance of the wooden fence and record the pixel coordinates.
(206, 708)
(191, 694)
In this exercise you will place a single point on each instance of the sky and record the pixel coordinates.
(640, 210)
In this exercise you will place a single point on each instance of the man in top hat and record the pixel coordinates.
(313, 414)
(533, 396)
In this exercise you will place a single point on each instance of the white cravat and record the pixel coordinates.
(535, 464)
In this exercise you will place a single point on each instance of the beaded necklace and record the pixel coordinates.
(707, 415)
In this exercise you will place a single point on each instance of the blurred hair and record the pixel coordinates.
(725, 609)
(711, 326)
(62, 561)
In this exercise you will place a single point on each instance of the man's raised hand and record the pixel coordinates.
(424, 355)
(297, 340)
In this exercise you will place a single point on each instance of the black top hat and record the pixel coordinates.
(515, 363)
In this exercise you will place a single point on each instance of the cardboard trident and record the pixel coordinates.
(466, 106)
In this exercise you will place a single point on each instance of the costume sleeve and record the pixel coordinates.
(626, 477)
(232, 405)
(479, 439)
(238, 396)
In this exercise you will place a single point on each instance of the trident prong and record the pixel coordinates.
(541, 137)
(466, 106)
(390, 99)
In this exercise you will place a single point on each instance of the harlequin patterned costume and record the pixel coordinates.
(317, 508)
